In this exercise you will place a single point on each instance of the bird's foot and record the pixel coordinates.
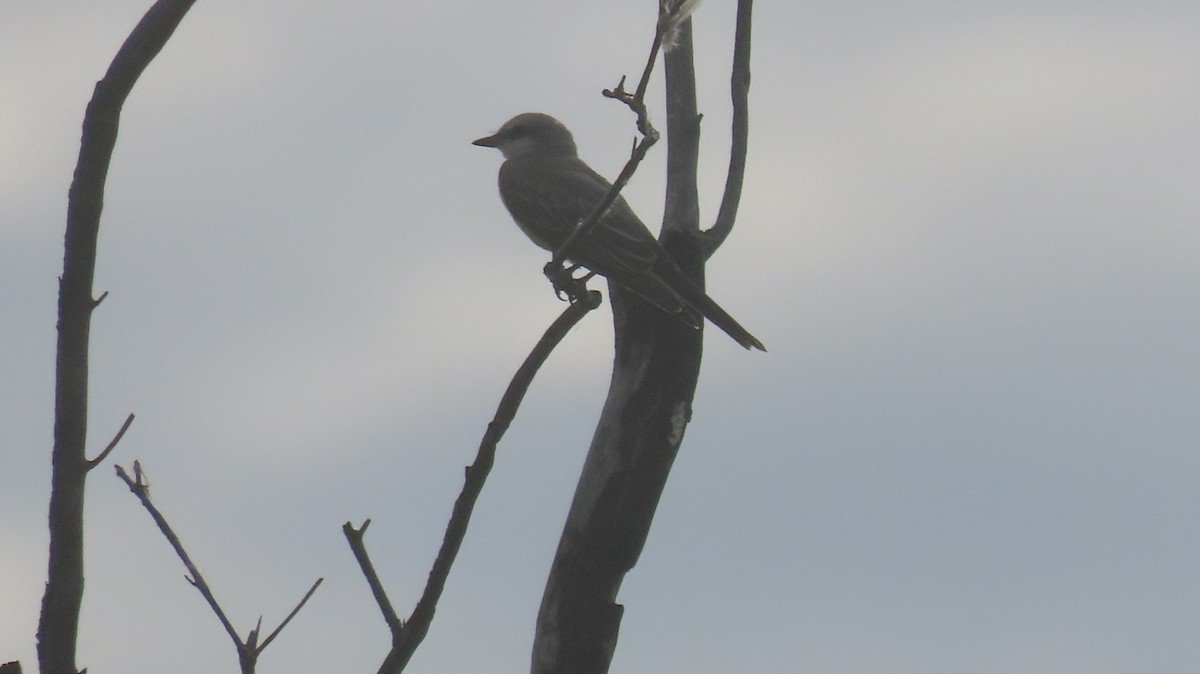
(567, 286)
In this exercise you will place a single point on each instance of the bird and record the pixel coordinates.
(548, 190)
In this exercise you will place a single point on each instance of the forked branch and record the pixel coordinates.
(247, 650)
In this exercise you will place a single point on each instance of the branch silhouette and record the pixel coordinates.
(671, 14)
(408, 634)
(58, 625)
(247, 650)
(656, 368)
(739, 89)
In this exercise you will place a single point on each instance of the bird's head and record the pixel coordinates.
(531, 134)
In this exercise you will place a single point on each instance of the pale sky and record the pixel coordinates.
(970, 239)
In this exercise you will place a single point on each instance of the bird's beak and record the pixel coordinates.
(487, 141)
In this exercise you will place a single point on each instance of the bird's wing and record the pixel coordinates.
(549, 197)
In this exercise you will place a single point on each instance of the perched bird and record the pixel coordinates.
(549, 191)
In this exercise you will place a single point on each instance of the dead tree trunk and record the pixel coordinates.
(649, 404)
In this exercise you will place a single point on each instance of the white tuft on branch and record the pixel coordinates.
(672, 14)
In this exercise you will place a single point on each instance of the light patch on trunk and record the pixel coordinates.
(679, 420)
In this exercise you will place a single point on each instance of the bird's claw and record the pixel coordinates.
(567, 287)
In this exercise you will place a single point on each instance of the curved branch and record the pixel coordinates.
(58, 626)
(112, 443)
(740, 93)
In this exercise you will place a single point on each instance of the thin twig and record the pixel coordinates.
(640, 92)
(140, 489)
(291, 615)
(409, 634)
(739, 86)
(248, 650)
(112, 444)
(639, 152)
(637, 103)
(649, 138)
(355, 538)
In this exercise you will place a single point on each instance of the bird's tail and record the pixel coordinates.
(693, 297)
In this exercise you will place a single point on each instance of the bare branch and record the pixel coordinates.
(247, 650)
(112, 444)
(359, 548)
(289, 617)
(637, 103)
(681, 210)
(141, 490)
(672, 23)
(409, 634)
(740, 95)
(58, 626)
(639, 432)
(649, 138)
